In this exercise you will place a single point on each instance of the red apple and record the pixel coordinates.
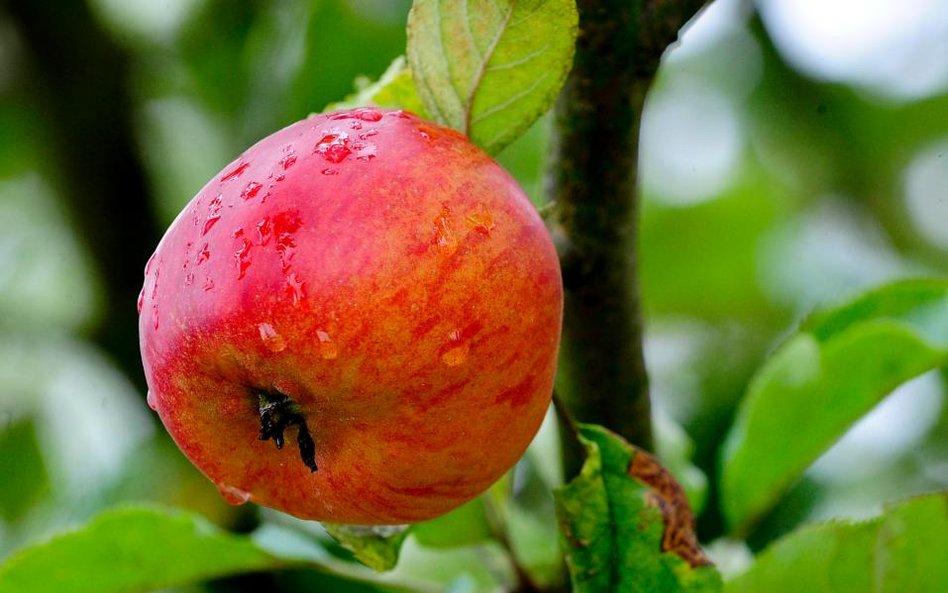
(371, 287)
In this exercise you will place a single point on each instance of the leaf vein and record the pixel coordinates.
(467, 29)
(482, 68)
(519, 62)
(447, 66)
(501, 106)
(525, 17)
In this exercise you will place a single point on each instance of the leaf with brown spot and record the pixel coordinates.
(626, 525)
(668, 495)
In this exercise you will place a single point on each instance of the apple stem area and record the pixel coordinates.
(277, 412)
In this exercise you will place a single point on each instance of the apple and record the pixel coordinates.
(356, 321)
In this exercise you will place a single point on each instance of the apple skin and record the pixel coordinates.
(388, 277)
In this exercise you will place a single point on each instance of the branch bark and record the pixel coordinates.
(592, 182)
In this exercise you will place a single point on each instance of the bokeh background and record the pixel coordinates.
(793, 153)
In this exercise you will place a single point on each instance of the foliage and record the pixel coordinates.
(491, 68)
(824, 378)
(901, 550)
(626, 525)
(143, 549)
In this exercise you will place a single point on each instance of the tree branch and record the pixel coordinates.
(592, 180)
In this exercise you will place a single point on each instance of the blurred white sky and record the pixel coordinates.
(896, 49)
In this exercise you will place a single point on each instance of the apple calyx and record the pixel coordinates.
(277, 412)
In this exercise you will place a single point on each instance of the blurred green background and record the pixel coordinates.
(792, 154)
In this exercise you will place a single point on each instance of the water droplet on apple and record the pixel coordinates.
(355, 125)
(213, 214)
(444, 235)
(232, 495)
(252, 189)
(154, 315)
(334, 147)
(481, 220)
(367, 152)
(141, 300)
(288, 161)
(242, 255)
(455, 356)
(336, 153)
(208, 285)
(295, 286)
(457, 351)
(264, 231)
(286, 247)
(152, 400)
(427, 133)
(189, 279)
(203, 255)
(285, 225)
(368, 134)
(271, 339)
(369, 114)
(154, 284)
(327, 348)
(365, 114)
(330, 172)
(235, 172)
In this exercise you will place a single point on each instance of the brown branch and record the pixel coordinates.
(592, 179)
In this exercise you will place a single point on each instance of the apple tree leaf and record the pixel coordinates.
(464, 526)
(904, 550)
(395, 89)
(145, 548)
(132, 549)
(490, 68)
(21, 463)
(835, 369)
(375, 546)
(625, 524)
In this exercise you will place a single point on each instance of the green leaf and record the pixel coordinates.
(922, 304)
(625, 524)
(22, 464)
(395, 88)
(490, 68)
(464, 526)
(137, 549)
(133, 549)
(821, 381)
(376, 546)
(901, 551)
